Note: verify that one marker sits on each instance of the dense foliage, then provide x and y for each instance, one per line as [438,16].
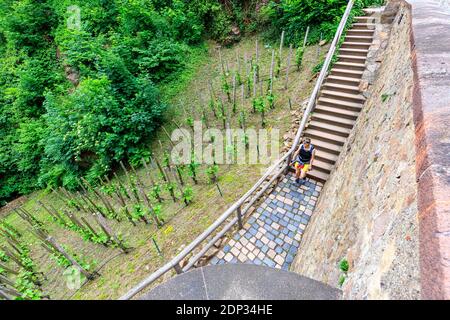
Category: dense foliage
[78,95]
[294,16]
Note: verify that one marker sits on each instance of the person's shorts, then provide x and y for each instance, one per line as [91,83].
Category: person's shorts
[303,166]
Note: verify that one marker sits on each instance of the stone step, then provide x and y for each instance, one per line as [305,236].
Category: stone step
[365,19]
[341,104]
[356,45]
[324,136]
[359,39]
[348,81]
[327,147]
[325,156]
[360,32]
[329,128]
[337,121]
[339,95]
[357,74]
[354,52]
[322,166]
[340,87]
[352,59]
[318,175]
[350,65]
[337,112]
[364,26]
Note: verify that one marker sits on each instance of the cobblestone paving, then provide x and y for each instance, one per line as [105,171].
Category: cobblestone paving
[271,236]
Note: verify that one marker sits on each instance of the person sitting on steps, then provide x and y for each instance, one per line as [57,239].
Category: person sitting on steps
[303,159]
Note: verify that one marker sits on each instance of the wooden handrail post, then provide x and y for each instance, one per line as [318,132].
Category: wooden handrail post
[288,162]
[239,216]
[178,268]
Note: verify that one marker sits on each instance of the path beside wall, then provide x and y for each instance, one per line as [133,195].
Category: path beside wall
[367,212]
[431,65]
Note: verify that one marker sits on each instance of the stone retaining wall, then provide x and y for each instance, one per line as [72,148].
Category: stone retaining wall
[367,213]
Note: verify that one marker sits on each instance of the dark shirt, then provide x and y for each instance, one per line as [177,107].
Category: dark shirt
[305,155]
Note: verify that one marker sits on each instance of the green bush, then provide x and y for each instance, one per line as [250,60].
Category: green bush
[294,16]
[93,128]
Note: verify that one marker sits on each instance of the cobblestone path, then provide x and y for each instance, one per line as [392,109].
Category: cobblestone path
[271,235]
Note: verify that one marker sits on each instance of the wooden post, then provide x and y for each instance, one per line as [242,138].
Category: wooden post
[261,93]
[130,181]
[172,194]
[254,84]
[89,200]
[205,117]
[116,190]
[163,175]
[61,250]
[150,208]
[7,281]
[178,269]
[122,187]
[14,246]
[306,38]
[89,207]
[149,176]
[58,195]
[221,61]
[13,257]
[272,66]
[25,217]
[107,230]
[105,201]
[146,200]
[239,216]
[224,113]
[30,218]
[74,220]
[238,65]
[212,98]
[247,73]
[8,293]
[53,212]
[71,198]
[288,67]
[281,44]
[180,174]
[257,61]
[234,94]
[8,269]
[124,205]
[90,228]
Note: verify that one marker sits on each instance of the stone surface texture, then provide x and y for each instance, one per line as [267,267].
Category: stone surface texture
[241,282]
[431,65]
[367,212]
[271,235]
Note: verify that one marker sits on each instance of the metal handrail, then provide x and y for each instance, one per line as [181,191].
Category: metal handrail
[237,206]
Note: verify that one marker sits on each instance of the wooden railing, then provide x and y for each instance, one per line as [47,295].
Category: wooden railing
[242,206]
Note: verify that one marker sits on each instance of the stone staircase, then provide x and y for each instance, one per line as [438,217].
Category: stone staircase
[340,100]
